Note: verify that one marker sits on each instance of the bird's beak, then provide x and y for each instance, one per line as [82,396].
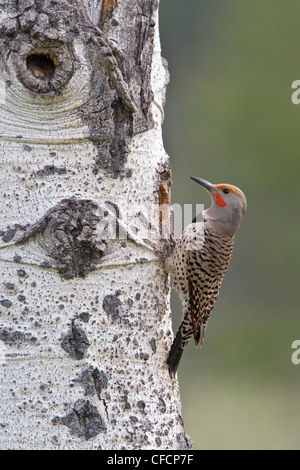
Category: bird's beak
[214,193]
[204,183]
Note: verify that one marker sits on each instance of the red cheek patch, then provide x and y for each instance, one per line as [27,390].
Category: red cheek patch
[220,201]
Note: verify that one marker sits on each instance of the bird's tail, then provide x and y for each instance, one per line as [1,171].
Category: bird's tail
[177,349]
[175,354]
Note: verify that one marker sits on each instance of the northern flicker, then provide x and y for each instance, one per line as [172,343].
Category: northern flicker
[199,261]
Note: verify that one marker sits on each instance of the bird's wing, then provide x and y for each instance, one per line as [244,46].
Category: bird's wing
[203,290]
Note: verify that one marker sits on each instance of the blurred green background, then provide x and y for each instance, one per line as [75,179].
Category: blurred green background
[229,118]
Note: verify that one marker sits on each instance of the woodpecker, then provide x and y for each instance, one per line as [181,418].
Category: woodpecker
[199,261]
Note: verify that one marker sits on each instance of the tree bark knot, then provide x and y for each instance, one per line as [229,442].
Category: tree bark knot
[84,420]
[75,342]
[93,381]
[41,38]
[70,236]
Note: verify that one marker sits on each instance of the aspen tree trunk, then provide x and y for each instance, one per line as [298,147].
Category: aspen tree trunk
[85,325]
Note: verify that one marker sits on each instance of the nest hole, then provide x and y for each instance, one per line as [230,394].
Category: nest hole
[41,66]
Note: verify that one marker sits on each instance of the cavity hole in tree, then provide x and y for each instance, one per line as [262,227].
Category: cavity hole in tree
[41,65]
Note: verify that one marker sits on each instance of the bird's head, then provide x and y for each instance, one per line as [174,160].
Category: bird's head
[228,207]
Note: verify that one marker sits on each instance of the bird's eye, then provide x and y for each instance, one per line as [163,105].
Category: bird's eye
[226,191]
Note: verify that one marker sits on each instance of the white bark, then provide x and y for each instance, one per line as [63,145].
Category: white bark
[82,359]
